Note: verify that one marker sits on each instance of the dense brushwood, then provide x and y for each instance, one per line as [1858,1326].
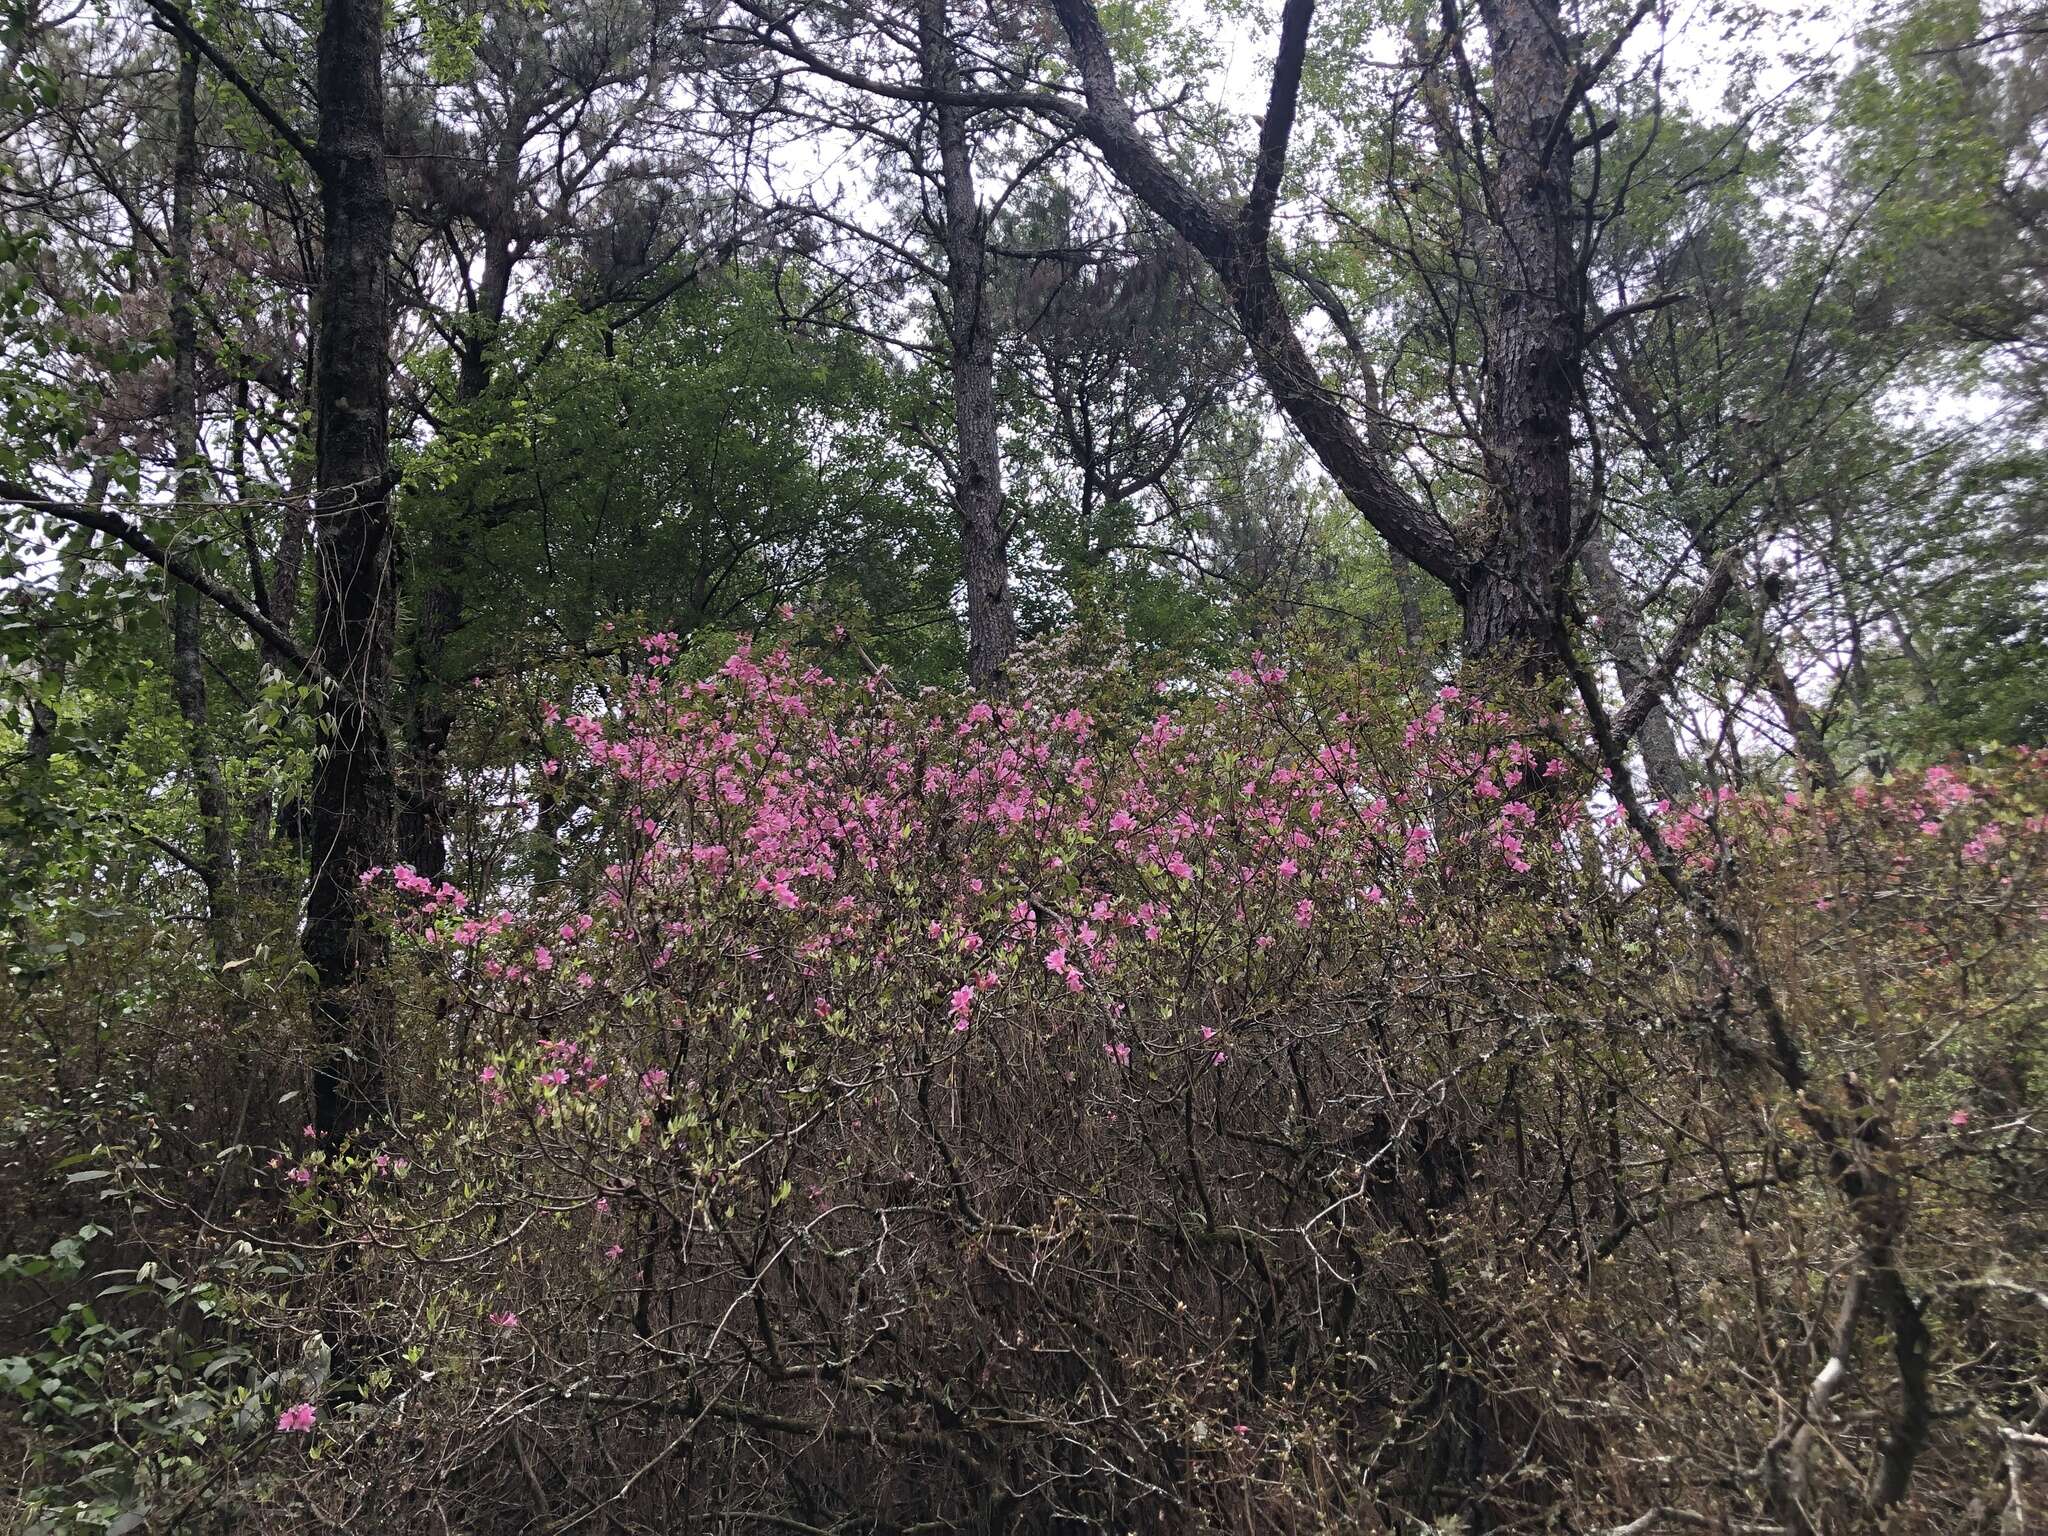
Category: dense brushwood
[1290,1101]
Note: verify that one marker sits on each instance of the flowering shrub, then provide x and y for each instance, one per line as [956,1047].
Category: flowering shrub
[1296,1103]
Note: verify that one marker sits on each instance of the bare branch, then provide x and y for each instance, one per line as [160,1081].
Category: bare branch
[1278,127]
[177,22]
[118,528]
[1585,77]
[1629,312]
[1245,266]
[1643,1524]
[1650,692]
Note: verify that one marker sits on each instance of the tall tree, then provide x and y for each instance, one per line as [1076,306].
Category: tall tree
[351,809]
[528,137]
[188,666]
[355,559]
[969,321]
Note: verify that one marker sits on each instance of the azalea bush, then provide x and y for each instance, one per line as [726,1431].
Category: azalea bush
[1308,1098]
[1295,1100]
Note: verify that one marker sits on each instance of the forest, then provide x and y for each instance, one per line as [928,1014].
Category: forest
[1024,766]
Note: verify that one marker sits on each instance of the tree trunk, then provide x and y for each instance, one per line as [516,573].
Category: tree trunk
[430,703]
[188,674]
[1533,354]
[1657,742]
[259,880]
[352,795]
[1408,588]
[970,333]
[1809,743]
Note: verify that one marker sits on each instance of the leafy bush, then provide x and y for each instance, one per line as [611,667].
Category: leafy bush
[1304,1106]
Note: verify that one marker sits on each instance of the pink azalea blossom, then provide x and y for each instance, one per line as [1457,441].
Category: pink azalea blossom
[297,1419]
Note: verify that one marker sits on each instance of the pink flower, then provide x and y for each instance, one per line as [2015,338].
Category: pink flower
[962,1005]
[1960,1117]
[297,1419]
[1304,912]
[507,1319]
[488,1075]
[301,1175]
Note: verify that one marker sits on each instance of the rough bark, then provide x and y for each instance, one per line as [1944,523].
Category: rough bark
[971,353]
[351,812]
[188,674]
[1533,352]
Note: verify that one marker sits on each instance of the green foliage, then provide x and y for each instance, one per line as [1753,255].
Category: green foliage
[690,472]
[137,1394]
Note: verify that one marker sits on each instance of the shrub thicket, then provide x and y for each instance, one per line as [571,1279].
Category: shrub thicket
[1315,1101]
